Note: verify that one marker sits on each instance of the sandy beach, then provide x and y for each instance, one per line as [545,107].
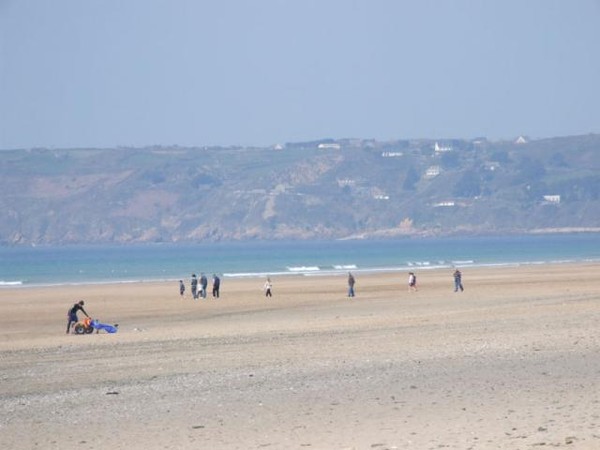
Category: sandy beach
[513,362]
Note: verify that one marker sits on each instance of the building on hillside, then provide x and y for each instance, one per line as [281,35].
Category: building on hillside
[432,172]
[521,140]
[329,146]
[345,182]
[552,199]
[491,165]
[441,148]
[379,194]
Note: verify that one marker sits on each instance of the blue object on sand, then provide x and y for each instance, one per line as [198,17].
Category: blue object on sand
[103,326]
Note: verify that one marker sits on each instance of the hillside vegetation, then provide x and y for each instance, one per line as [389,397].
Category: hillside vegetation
[347,188]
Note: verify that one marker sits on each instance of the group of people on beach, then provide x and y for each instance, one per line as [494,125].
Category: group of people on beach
[202,284]
[457,275]
[267,288]
[412,282]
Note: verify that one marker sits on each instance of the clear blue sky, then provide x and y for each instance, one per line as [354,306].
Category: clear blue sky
[235,72]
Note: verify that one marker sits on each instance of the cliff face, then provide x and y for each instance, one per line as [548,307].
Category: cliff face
[355,188]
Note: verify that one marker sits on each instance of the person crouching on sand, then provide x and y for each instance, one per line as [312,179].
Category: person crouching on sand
[72,314]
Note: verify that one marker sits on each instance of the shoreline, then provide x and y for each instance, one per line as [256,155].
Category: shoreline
[51,266]
[319,272]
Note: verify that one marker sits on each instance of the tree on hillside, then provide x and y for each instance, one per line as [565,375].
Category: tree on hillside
[450,160]
[558,160]
[500,156]
[468,185]
[530,169]
[411,179]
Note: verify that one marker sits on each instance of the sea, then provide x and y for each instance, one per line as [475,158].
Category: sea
[23,266]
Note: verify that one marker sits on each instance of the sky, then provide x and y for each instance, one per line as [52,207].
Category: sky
[107,73]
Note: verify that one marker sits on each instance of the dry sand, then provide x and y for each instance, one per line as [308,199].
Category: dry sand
[511,363]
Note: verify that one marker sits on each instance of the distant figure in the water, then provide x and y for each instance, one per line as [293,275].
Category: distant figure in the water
[412,282]
[351,282]
[267,288]
[458,281]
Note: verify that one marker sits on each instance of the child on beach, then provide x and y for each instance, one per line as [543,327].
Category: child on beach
[412,282]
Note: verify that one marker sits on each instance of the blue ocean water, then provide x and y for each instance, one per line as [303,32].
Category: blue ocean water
[45,265]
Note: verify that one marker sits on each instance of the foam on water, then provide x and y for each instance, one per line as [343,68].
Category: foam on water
[27,266]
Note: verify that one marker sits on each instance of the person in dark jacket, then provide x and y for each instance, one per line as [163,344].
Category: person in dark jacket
[72,314]
[194,286]
[203,285]
[216,285]
[458,281]
[351,282]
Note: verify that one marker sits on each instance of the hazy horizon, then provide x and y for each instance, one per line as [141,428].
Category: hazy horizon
[109,74]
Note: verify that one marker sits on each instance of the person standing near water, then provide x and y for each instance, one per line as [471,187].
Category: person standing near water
[351,282]
[181,288]
[267,287]
[194,286]
[412,282]
[203,284]
[458,281]
[216,285]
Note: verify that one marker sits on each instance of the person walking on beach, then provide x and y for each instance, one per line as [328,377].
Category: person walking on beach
[216,285]
[458,281]
[412,282]
[203,284]
[181,288]
[351,282]
[267,287]
[72,314]
[194,286]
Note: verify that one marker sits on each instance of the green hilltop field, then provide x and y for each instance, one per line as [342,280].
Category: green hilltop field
[347,188]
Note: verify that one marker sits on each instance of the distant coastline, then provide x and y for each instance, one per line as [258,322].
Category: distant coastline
[395,233]
[323,189]
[565,230]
